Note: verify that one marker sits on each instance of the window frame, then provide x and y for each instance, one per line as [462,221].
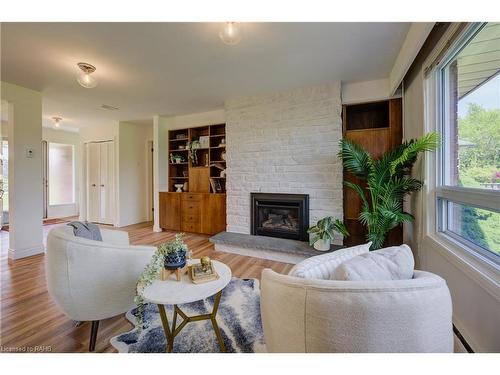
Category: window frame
[436,192]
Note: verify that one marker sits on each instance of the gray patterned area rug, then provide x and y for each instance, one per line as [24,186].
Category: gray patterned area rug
[238,318]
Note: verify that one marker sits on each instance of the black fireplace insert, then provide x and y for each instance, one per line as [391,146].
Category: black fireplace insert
[280,215]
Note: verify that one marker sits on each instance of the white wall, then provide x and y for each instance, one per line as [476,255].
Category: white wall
[132,166]
[25,174]
[161,126]
[476,302]
[69,138]
[285,142]
[365,91]
[415,38]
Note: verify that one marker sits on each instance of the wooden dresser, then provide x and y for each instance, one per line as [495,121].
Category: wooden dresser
[193,212]
[201,175]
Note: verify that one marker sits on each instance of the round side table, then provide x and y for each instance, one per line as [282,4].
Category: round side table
[171,292]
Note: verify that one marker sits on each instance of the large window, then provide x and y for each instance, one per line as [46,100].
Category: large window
[61,174]
[469,179]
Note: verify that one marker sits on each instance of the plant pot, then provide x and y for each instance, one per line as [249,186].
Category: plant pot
[175,260]
[322,245]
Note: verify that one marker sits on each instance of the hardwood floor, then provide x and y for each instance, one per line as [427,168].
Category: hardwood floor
[30,320]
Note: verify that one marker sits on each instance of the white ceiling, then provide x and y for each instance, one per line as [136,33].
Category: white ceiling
[178,68]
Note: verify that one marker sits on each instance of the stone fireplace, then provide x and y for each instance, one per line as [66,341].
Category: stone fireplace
[280,215]
[285,142]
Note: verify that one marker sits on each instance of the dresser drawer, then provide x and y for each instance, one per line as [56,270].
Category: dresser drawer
[190,227]
[191,207]
[187,218]
[191,197]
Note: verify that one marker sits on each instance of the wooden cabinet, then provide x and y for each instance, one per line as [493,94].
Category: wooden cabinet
[193,212]
[377,127]
[170,211]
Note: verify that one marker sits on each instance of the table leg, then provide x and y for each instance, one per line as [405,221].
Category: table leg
[166,328]
[213,319]
[170,333]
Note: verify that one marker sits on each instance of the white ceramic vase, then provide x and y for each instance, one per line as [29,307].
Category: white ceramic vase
[322,245]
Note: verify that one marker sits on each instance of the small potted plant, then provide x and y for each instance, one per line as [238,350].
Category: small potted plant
[176,158]
[193,147]
[175,253]
[322,234]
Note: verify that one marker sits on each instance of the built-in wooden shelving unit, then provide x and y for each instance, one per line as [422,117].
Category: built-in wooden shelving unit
[203,176]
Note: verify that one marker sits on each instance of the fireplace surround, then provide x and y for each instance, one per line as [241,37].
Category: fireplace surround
[280,215]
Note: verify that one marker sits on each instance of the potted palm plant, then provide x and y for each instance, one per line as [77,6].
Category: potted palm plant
[322,234]
[388,180]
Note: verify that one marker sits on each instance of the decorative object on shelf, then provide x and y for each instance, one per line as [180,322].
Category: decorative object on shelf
[222,142]
[84,77]
[230,33]
[218,166]
[178,187]
[206,160]
[193,147]
[178,252]
[322,234]
[185,173]
[180,136]
[177,159]
[204,141]
[388,181]
[223,155]
[185,187]
[223,173]
[182,147]
[216,185]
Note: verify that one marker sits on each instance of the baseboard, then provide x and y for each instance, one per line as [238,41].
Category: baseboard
[23,253]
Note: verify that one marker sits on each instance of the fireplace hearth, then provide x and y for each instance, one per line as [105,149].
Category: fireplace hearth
[280,215]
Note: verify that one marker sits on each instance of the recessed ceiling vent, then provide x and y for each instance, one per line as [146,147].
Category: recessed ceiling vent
[109,107]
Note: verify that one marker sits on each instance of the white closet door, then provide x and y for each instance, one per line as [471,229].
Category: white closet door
[106,183]
[93,181]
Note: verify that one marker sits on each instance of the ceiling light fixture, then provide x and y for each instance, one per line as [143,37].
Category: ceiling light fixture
[57,122]
[84,77]
[230,33]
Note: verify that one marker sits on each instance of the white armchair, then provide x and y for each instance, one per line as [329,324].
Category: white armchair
[312,314]
[93,280]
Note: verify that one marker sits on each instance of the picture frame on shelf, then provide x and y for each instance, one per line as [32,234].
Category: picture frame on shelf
[216,185]
[204,141]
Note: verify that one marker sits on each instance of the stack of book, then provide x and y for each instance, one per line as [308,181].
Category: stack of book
[201,275]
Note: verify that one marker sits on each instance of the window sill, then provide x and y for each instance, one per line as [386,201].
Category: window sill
[482,270]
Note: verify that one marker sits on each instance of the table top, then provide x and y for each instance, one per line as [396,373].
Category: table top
[172,292]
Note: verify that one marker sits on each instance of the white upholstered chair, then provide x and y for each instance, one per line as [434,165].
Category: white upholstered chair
[93,280]
[311,313]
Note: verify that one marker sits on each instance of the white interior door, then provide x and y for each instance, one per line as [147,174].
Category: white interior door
[100,182]
[106,183]
[93,181]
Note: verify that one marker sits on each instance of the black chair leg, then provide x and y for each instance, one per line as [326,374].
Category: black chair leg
[93,335]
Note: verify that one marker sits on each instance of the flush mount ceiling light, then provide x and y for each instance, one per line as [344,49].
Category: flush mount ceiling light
[57,122]
[84,77]
[230,33]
